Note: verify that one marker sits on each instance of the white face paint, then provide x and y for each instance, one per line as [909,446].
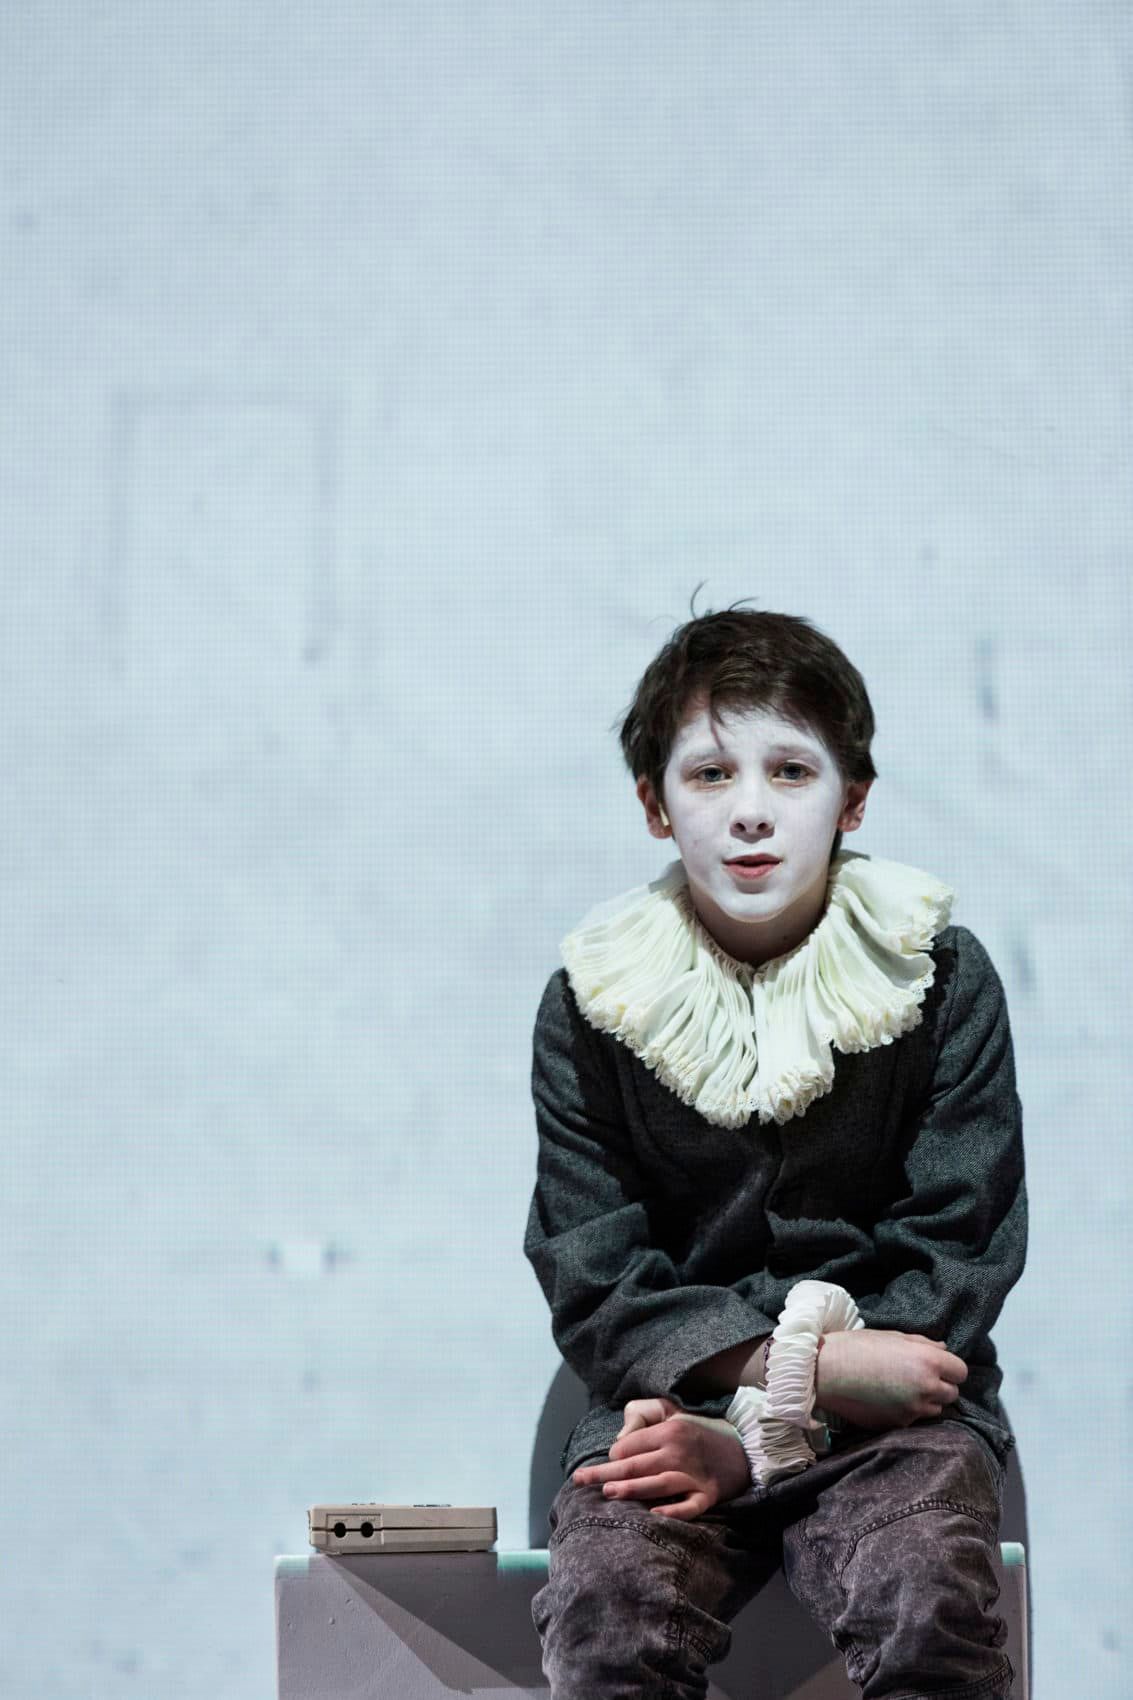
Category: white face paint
[753,784]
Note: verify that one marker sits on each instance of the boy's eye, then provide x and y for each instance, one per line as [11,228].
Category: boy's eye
[799,769]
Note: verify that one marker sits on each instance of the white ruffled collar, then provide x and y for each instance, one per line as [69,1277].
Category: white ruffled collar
[731,1039]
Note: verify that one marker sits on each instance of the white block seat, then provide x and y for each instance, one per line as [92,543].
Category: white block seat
[423,1626]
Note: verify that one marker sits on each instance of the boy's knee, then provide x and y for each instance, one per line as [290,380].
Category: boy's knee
[938,1556]
[918,1596]
[614,1548]
[616,1600]
[899,1562]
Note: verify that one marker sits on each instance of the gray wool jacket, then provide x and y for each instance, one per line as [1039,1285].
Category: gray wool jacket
[660,1238]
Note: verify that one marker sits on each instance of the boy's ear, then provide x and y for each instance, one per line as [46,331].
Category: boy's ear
[854,807]
[655,814]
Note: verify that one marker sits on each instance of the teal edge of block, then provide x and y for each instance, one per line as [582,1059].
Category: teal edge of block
[1012,1554]
[288,1567]
[291,1566]
[534,1559]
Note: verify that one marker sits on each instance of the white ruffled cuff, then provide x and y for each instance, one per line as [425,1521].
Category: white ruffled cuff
[774,1448]
[812,1308]
[777,1427]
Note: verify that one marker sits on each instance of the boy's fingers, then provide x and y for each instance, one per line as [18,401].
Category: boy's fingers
[639,1413]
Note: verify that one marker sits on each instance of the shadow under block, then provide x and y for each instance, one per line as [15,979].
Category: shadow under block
[425,1626]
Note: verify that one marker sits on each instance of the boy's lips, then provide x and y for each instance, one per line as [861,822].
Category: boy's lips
[752,862]
[751,871]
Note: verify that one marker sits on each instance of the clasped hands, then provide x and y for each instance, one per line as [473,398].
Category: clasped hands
[663,1451]
[874,1378]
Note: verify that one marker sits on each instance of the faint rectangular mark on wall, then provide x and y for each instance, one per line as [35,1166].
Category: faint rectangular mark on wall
[220,537]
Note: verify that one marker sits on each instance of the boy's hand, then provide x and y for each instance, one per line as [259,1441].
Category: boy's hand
[663,1451]
[880,1378]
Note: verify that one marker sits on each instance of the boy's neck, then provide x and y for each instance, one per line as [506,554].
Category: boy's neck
[755,942]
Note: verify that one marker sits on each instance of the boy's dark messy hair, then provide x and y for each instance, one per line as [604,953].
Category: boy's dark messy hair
[748,659]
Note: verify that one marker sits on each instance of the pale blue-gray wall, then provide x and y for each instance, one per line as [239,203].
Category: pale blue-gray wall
[378,380]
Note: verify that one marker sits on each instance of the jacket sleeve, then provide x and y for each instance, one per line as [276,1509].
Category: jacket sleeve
[954,1240]
[619,1313]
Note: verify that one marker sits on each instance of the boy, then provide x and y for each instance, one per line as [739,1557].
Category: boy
[780,1202]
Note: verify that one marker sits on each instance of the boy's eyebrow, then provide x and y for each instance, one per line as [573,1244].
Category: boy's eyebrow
[780,749]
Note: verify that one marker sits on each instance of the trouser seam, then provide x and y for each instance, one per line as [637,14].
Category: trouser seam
[846,1644]
[935,1502]
[672,1628]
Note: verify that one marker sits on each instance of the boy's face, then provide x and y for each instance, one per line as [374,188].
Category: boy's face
[754,784]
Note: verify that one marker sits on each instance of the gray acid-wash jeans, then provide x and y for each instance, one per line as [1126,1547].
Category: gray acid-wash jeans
[888,1541]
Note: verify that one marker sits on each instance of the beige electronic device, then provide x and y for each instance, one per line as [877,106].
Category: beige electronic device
[401,1528]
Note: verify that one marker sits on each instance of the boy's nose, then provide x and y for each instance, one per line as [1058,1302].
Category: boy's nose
[753,812]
